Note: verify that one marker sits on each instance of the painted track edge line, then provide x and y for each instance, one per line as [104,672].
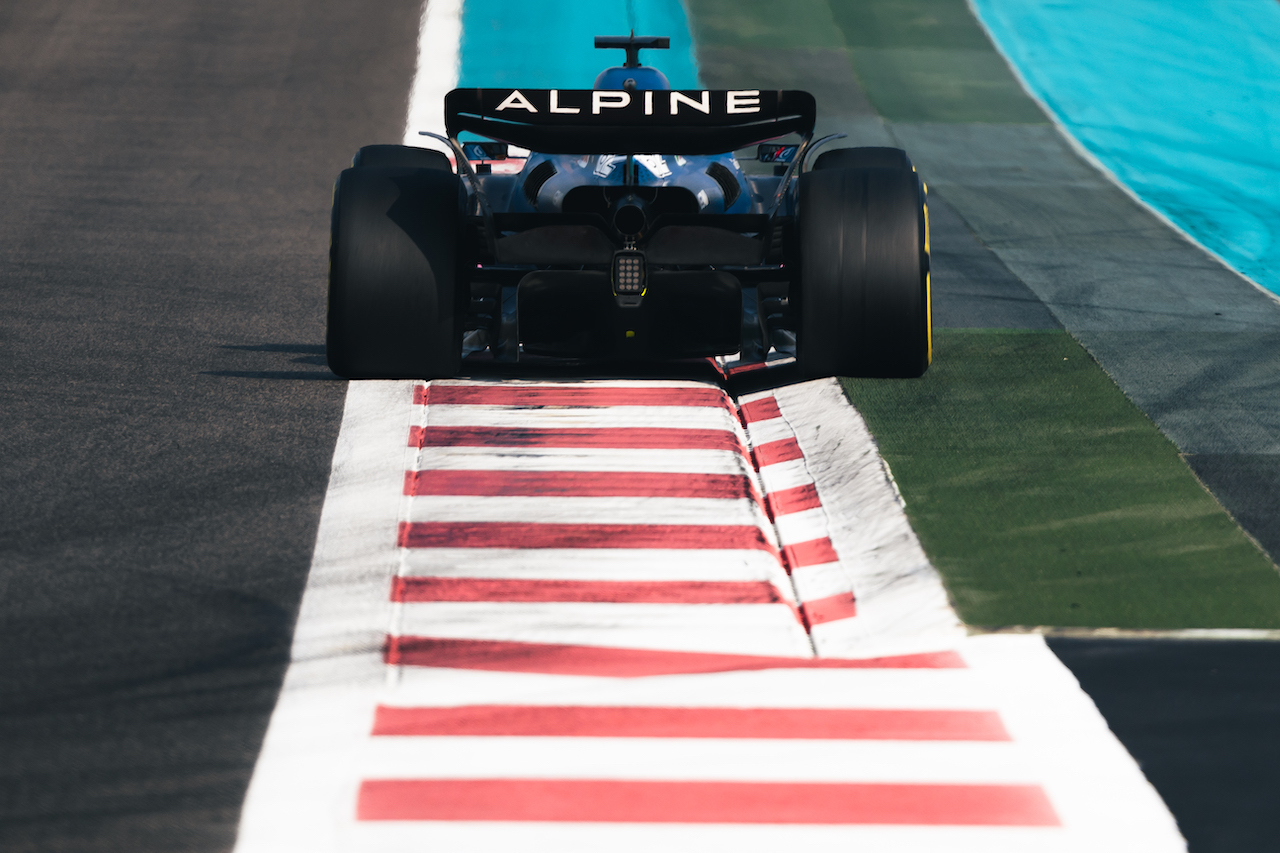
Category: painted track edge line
[437,71]
[336,667]
[1252,634]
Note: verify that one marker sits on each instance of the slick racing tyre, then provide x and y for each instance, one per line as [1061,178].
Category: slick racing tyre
[863,158]
[402,156]
[394,309]
[864,286]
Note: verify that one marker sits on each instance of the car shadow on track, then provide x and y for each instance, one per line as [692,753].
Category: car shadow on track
[697,370]
[306,354]
[532,370]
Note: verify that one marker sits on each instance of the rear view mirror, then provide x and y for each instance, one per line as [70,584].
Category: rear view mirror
[485,150]
[777,153]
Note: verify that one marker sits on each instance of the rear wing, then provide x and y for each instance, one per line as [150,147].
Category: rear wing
[615,121]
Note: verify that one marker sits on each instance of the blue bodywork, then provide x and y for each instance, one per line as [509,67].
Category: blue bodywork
[651,170]
[550,236]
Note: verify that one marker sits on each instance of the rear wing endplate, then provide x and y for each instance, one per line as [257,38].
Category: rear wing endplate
[585,121]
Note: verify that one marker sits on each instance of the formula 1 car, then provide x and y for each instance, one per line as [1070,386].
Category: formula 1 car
[630,232]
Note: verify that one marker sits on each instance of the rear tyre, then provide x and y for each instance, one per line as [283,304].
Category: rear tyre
[402,156]
[864,286]
[394,305]
[863,158]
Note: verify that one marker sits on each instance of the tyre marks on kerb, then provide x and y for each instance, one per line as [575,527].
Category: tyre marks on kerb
[824,590]
[627,592]
[586,515]
[632,632]
[562,626]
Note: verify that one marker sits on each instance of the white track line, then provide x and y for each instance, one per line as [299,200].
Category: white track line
[437,73]
[345,608]
[1228,634]
[325,710]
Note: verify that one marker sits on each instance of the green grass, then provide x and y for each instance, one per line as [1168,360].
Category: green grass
[1045,497]
[936,85]
[942,24]
[757,23]
[918,60]
[929,60]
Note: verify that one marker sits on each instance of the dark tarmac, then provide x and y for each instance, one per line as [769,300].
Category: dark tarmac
[167,415]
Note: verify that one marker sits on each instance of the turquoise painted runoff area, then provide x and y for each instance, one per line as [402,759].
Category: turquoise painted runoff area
[550,45]
[1180,99]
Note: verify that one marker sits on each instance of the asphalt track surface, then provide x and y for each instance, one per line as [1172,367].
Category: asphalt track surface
[169,422]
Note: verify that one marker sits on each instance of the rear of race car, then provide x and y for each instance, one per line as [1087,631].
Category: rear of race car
[632,233]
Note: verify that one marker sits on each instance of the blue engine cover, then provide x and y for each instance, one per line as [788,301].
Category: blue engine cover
[731,193]
[646,77]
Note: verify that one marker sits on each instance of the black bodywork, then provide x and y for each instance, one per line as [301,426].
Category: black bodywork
[548,274]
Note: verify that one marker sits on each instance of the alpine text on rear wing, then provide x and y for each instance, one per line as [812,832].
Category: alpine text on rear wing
[617,121]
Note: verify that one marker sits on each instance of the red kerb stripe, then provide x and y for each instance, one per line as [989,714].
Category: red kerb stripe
[620,438]
[634,592]
[608,800]
[746,368]
[764,409]
[585,395]
[596,484]
[511,534]
[811,553]
[557,659]
[771,723]
[796,499]
[774,452]
[830,609]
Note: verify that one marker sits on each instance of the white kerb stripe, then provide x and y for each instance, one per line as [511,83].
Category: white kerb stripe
[584,417]
[585,459]
[481,837]
[774,429]
[923,689]
[597,564]
[558,510]
[785,475]
[689,759]
[750,629]
[804,526]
